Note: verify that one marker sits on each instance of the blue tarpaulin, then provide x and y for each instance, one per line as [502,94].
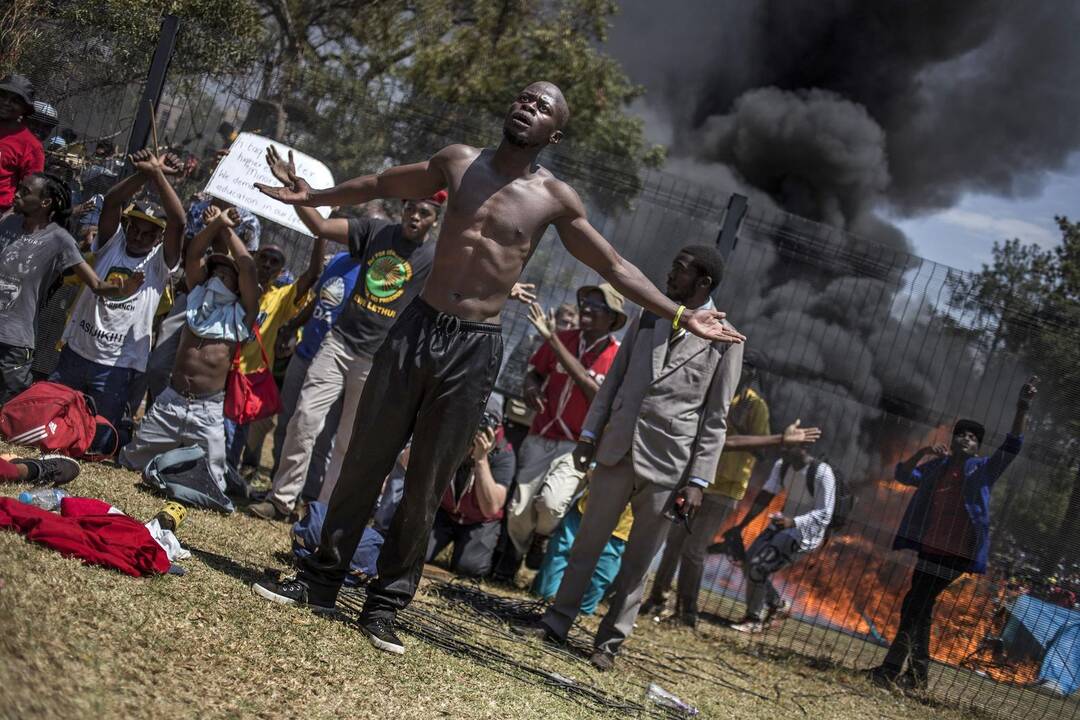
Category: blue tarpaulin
[1057,632]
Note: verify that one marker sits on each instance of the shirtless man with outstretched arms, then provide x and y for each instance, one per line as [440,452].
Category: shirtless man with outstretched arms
[432,376]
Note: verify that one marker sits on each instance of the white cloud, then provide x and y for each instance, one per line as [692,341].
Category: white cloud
[1000,228]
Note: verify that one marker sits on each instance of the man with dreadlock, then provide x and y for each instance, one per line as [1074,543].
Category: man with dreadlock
[34,250]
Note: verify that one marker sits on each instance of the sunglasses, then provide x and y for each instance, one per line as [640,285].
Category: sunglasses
[592,305]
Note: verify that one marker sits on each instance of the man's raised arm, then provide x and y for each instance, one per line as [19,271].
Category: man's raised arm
[284,171]
[403,182]
[589,246]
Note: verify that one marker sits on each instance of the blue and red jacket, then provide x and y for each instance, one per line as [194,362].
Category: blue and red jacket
[980,474]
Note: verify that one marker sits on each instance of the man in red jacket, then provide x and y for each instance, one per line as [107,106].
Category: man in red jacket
[21,154]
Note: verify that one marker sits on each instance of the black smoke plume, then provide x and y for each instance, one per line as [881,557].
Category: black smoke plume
[968,95]
[834,110]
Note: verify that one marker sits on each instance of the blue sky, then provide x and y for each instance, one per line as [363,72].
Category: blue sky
[963,236]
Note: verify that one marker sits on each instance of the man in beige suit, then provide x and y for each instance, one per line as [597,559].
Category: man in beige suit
[656,429]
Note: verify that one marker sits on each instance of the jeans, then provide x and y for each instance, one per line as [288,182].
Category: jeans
[174,421]
[15,365]
[772,550]
[474,544]
[547,580]
[106,384]
[235,442]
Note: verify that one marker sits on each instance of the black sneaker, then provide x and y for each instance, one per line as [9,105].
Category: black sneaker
[290,592]
[602,660]
[50,469]
[653,606]
[536,629]
[380,632]
[882,676]
[535,557]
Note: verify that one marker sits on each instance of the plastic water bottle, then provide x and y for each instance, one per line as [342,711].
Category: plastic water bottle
[662,697]
[44,498]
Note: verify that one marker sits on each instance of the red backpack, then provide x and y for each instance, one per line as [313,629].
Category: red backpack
[53,418]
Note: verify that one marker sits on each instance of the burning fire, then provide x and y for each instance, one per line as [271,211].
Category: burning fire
[856,583]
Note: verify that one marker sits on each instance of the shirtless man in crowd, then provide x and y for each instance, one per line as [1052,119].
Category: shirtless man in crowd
[432,376]
[221,310]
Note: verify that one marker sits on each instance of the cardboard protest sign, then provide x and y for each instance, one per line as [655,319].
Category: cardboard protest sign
[235,177]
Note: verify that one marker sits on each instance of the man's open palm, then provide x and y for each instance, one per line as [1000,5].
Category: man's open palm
[284,171]
[295,189]
[709,324]
[796,435]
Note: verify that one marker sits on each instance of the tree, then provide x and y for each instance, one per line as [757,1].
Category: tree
[356,82]
[81,46]
[356,78]
[1027,302]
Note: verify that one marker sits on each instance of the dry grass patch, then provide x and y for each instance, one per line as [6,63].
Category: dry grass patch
[77,641]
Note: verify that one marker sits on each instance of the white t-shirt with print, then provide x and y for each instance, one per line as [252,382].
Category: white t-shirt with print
[117,332]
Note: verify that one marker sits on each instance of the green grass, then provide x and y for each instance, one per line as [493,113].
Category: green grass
[79,641]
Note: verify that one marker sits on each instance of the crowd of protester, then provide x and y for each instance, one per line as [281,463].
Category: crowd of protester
[113,285]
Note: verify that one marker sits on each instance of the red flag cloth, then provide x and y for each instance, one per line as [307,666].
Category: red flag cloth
[87,530]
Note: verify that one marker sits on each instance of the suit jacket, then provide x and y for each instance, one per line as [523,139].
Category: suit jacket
[671,415]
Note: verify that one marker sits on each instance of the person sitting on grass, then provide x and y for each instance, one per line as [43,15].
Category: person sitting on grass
[221,309]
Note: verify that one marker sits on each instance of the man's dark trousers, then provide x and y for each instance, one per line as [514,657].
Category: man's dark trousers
[430,379]
[932,575]
[474,544]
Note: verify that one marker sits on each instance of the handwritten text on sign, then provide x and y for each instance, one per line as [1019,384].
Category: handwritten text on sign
[235,177]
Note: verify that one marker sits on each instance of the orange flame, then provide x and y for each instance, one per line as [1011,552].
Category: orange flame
[856,583]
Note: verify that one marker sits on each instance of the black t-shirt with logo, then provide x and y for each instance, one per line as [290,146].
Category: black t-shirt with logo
[392,272]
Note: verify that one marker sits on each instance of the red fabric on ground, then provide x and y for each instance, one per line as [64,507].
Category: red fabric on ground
[9,472]
[89,532]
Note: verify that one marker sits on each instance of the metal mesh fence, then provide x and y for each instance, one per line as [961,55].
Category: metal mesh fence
[860,340]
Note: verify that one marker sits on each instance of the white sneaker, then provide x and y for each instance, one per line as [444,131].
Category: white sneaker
[750,627]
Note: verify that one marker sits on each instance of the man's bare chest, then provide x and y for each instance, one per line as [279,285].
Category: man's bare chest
[506,212]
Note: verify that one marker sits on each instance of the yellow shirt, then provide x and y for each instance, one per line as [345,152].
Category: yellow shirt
[277,306]
[168,297]
[622,530]
[747,415]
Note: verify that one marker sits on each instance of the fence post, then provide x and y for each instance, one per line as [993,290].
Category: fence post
[733,217]
[155,83]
